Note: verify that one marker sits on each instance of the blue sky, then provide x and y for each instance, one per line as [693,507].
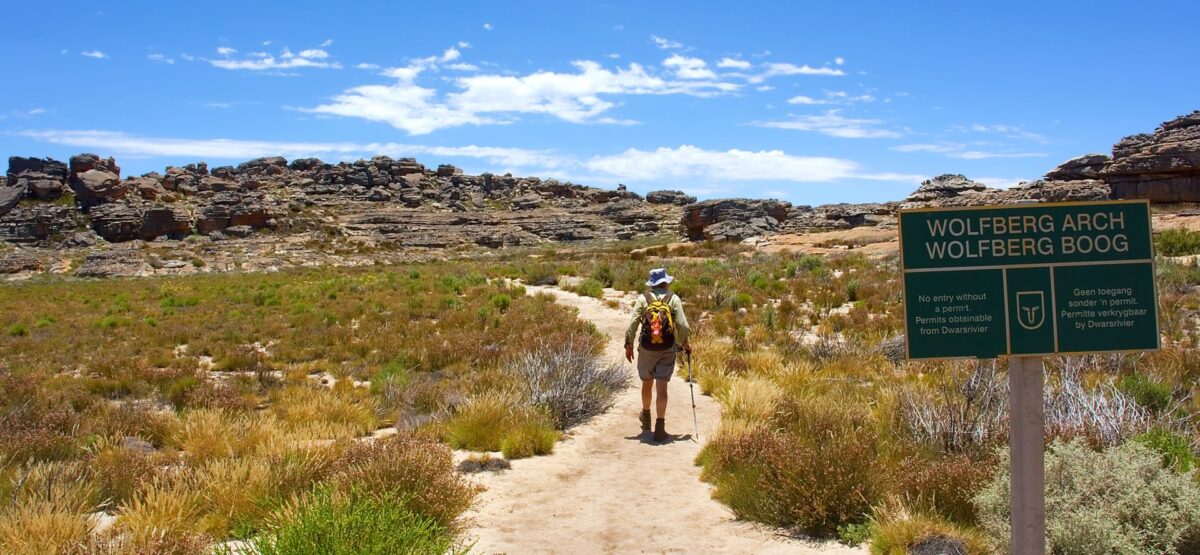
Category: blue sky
[812,103]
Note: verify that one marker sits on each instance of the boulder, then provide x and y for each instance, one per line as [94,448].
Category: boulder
[81,163]
[669,197]
[19,262]
[47,166]
[10,196]
[95,186]
[447,170]
[114,263]
[271,165]
[40,178]
[528,201]
[1088,166]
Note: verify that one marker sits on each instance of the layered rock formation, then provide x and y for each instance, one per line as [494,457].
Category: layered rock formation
[394,200]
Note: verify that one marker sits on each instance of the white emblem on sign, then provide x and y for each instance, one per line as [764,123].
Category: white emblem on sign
[1031,309]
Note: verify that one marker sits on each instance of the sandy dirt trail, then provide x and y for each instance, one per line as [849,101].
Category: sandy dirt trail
[609,489]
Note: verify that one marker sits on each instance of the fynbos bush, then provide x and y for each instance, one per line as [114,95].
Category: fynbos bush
[1120,500]
[569,380]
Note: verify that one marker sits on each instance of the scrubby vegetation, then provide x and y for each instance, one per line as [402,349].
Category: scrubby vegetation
[828,432]
[201,409]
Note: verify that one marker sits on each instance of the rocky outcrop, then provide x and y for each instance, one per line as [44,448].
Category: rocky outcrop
[118,222]
[1086,167]
[19,262]
[943,187]
[32,224]
[670,197]
[96,180]
[40,178]
[1163,166]
[735,219]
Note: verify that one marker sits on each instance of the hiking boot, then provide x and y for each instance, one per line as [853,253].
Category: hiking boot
[660,430]
[646,420]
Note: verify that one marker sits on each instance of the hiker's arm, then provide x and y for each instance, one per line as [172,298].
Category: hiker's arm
[682,329]
[639,306]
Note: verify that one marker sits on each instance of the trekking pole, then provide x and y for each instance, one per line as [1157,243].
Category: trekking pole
[692,388]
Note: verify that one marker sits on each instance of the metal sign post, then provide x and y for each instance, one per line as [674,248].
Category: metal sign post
[1028,280]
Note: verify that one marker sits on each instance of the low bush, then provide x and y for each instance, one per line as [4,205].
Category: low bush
[1175,449]
[1176,242]
[814,466]
[898,530]
[407,466]
[571,381]
[590,288]
[529,438]
[353,524]
[1147,392]
[1119,500]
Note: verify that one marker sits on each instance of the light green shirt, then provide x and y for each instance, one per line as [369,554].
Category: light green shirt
[682,330]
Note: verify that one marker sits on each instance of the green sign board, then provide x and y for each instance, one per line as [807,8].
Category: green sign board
[1028,279]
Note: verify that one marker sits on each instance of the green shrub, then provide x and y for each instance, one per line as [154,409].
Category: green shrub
[501,302]
[529,439]
[1148,393]
[353,524]
[1177,242]
[854,534]
[1175,450]
[18,330]
[1120,500]
[590,288]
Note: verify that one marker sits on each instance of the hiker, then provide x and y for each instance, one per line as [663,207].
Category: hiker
[664,331]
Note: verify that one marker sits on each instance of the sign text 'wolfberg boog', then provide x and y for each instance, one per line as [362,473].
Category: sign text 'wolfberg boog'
[1032,279]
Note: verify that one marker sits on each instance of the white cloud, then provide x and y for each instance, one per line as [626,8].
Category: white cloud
[961,151]
[839,60]
[94,54]
[801,99]
[734,165]
[327,43]
[367,66]
[464,44]
[462,67]
[733,63]
[777,69]
[36,111]
[981,155]
[1000,182]
[937,148]
[261,61]
[764,88]
[1010,131]
[689,68]
[450,54]
[117,143]
[313,54]
[690,162]
[488,26]
[495,98]
[613,56]
[832,123]
[160,59]
[664,43]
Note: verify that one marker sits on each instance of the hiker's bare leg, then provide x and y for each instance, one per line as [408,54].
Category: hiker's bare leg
[647,391]
[662,397]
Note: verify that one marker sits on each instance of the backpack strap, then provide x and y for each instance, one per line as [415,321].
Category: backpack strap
[649,297]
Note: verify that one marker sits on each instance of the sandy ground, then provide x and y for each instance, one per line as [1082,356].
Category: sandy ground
[609,489]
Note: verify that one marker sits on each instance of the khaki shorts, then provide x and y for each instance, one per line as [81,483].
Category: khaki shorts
[658,365]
